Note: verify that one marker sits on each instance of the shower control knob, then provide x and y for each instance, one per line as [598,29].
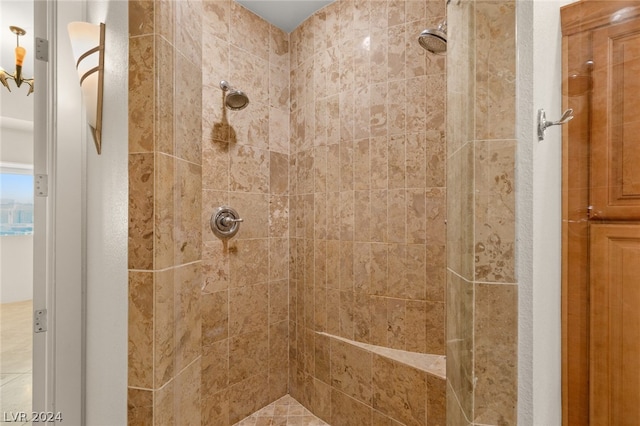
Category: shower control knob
[229,221]
[225,222]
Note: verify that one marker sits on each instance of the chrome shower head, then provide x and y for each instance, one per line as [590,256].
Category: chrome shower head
[234,99]
[434,40]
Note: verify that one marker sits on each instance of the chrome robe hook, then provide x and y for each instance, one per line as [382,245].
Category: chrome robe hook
[543,123]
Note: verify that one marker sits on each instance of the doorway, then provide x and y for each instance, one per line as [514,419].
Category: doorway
[16,213]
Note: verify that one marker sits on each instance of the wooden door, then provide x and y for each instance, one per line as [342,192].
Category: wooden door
[615,325]
[601,214]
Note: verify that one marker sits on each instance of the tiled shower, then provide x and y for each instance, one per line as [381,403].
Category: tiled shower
[338,168]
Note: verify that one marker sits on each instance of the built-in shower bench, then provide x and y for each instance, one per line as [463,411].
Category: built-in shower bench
[407,387]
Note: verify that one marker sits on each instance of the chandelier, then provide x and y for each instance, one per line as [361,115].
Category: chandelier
[17,75]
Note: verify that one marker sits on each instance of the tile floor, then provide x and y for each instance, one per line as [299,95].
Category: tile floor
[15,358]
[286,411]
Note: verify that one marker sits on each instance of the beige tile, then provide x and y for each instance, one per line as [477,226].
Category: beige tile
[165,108]
[248,356]
[279,216]
[278,301]
[188,30]
[379,419]
[141,17]
[215,266]
[495,78]
[435,158]
[397,207]
[435,327]
[378,110]
[215,164]
[436,401]
[380,215]
[16,396]
[141,94]
[348,411]
[188,322]
[320,308]
[495,361]
[247,396]
[396,323]
[215,409]
[248,262]
[251,126]
[188,230]
[164,328]
[436,272]
[215,317]
[216,17]
[416,332]
[416,147]
[460,342]
[187,394]
[417,220]
[399,391]
[249,169]
[279,131]
[495,211]
[165,18]
[278,346]
[321,403]
[455,415]
[351,370]
[139,406]
[141,207]
[279,47]
[215,367]
[279,173]
[248,309]
[419,109]
[188,109]
[460,220]
[164,211]
[164,407]
[396,161]
[141,310]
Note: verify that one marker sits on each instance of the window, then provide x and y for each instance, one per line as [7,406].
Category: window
[16,200]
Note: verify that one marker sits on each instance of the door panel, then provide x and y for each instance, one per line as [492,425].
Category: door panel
[615,324]
[601,214]
[615,156]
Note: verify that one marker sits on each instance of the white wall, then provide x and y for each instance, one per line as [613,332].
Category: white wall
[107,231]
[16,273]
[16,138]
[539,213]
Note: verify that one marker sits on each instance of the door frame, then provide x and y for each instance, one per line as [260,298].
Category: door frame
[59,236]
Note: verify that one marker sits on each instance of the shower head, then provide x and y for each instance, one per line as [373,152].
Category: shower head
[234,99]
[434,40]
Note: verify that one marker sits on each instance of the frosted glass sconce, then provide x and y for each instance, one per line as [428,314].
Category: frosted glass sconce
[87,44]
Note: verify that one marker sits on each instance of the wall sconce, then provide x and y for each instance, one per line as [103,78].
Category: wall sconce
[87,44]
[20,54]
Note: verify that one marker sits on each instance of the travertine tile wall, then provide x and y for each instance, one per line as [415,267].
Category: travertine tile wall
[208,322]
[165,241]
[482,287]
[246,166]
[367,183]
